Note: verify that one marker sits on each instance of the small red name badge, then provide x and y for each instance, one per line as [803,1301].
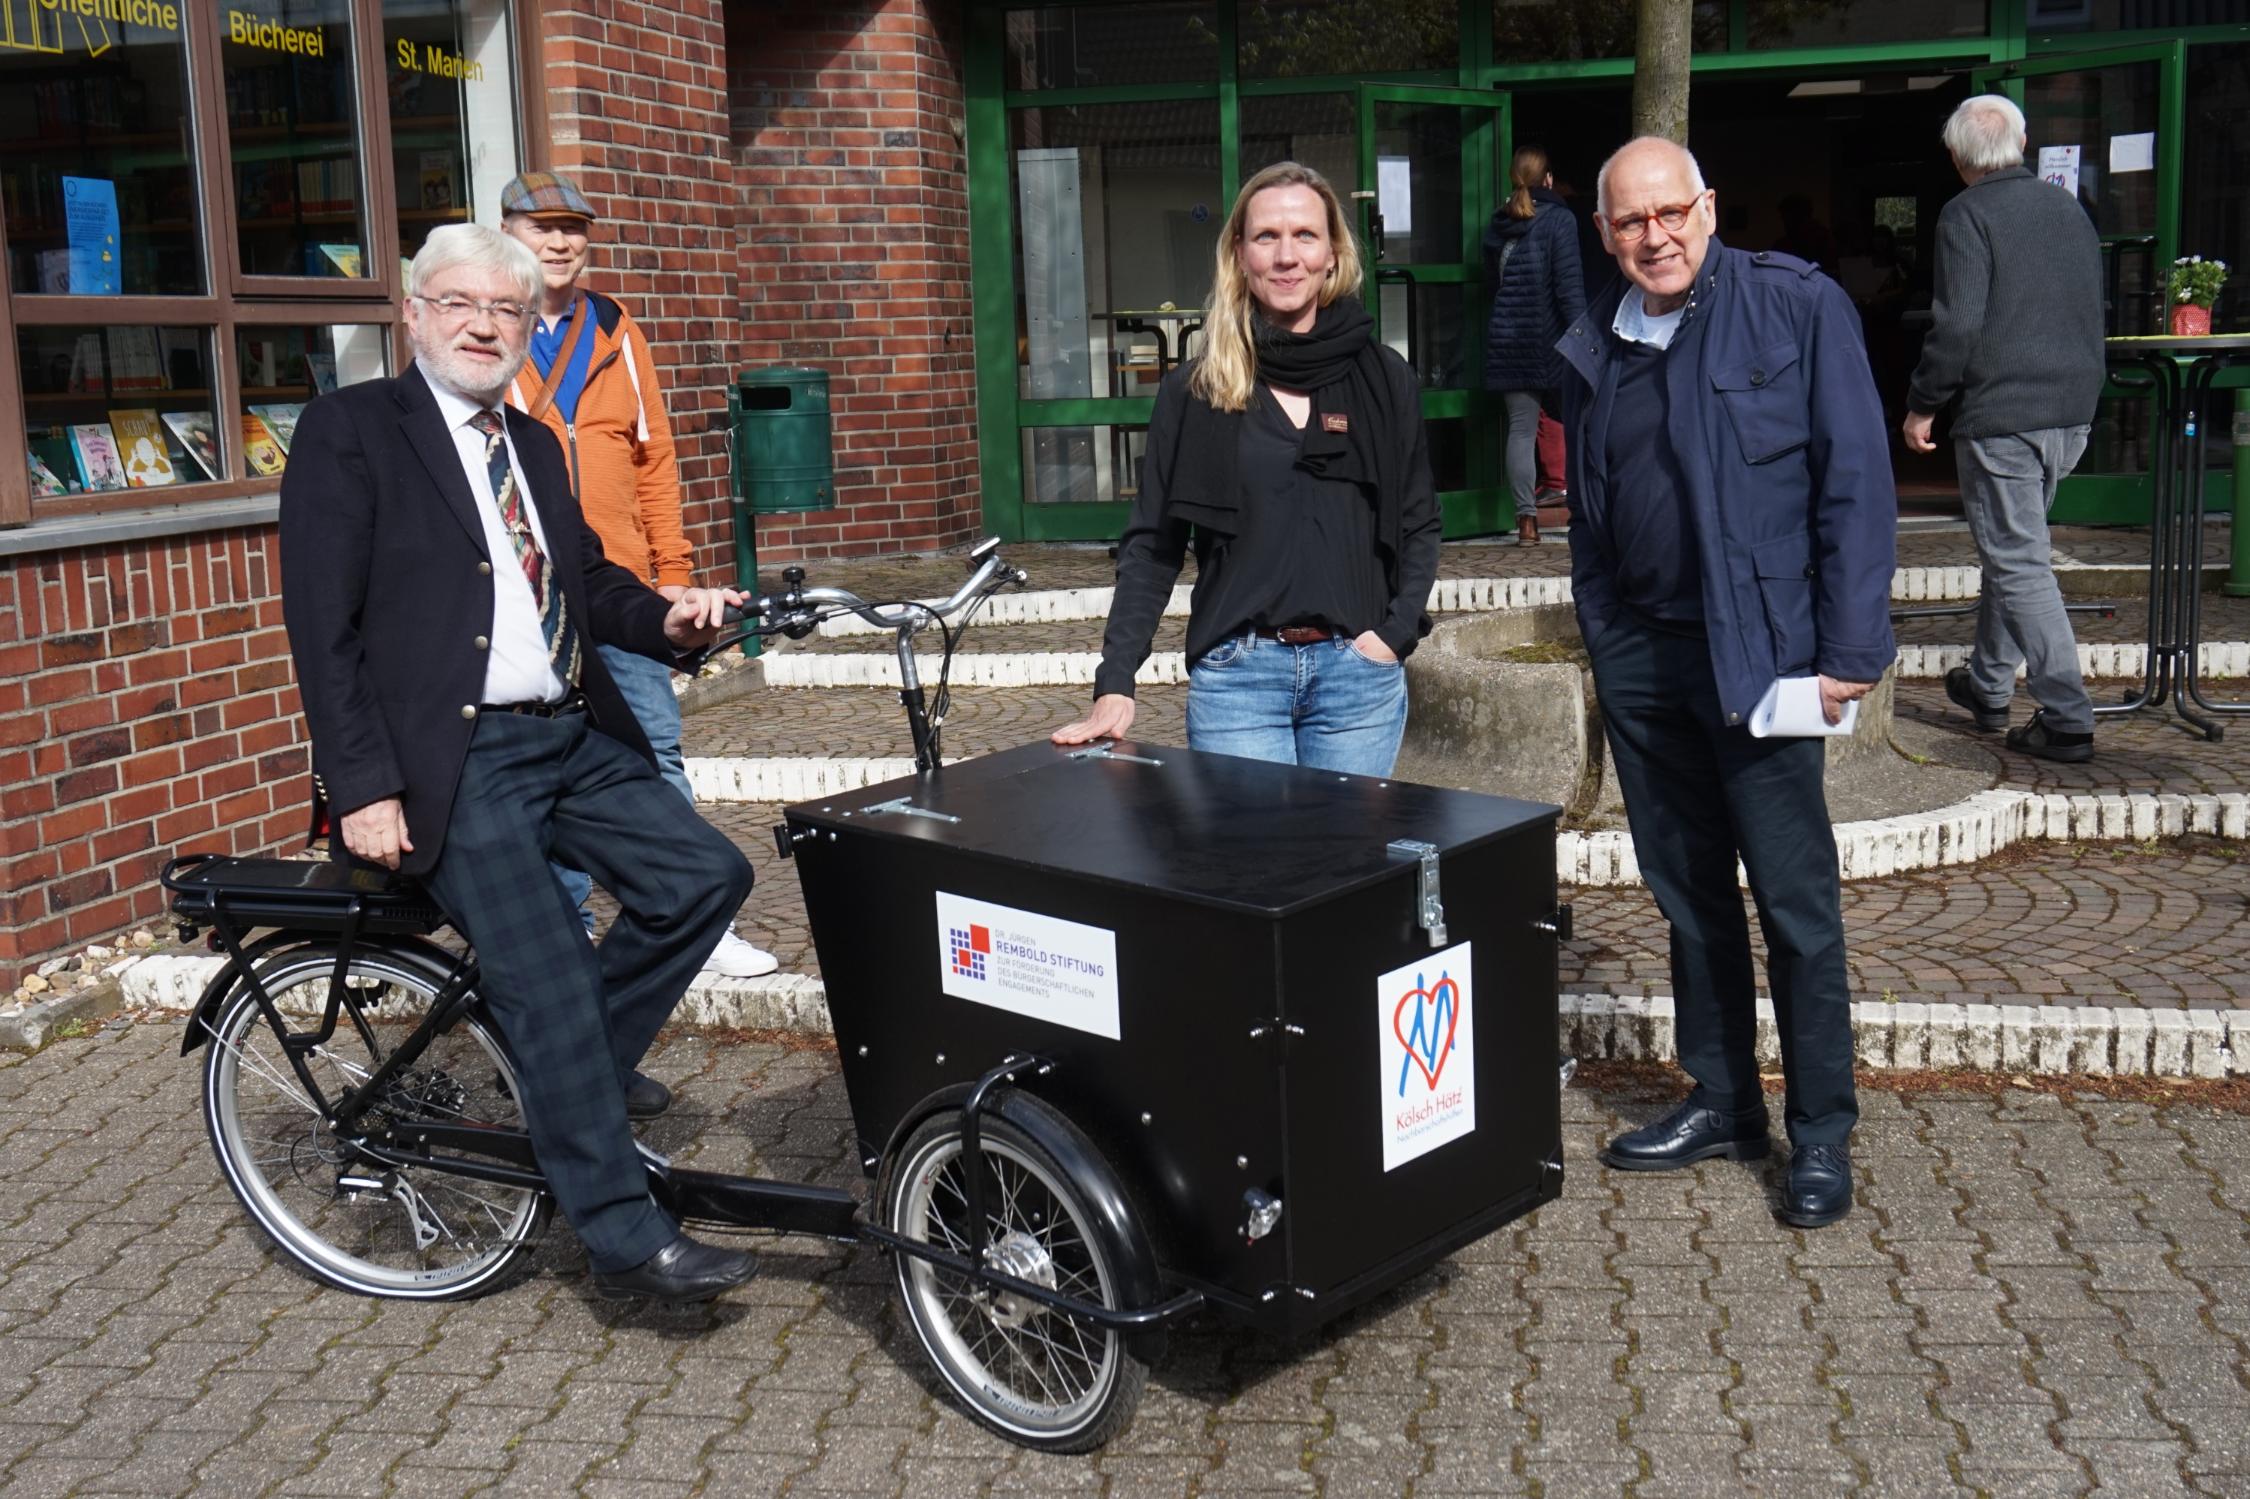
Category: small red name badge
[1335,421]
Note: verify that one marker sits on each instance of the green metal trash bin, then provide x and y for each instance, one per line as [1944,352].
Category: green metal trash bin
[783,459]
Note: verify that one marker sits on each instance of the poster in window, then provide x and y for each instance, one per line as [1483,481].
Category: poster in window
[94,449]
[90,219]
[140,443]
[259,449]
[198,437]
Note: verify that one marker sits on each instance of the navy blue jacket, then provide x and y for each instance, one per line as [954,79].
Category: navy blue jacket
[1781,443]
[1542,292]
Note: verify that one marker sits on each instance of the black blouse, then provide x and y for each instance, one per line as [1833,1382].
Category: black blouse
[1306,554]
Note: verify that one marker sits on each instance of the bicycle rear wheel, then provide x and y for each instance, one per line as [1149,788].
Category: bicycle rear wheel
[420,1235]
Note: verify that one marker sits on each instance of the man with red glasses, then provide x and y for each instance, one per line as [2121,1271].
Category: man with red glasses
[1734,522]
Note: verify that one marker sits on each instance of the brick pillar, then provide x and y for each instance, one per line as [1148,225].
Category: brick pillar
[853,255]
[637,117]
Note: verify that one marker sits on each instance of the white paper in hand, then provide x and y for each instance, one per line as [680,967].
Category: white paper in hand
[1791,710]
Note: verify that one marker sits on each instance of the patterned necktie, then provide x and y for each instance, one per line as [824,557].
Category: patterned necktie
[554,609]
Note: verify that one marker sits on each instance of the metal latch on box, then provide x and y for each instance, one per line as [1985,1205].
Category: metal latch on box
[1429,908]
[905,808]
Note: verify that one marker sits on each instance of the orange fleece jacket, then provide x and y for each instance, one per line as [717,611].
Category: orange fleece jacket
[620,448]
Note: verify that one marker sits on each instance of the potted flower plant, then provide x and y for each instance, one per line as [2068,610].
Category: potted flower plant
[2195,284]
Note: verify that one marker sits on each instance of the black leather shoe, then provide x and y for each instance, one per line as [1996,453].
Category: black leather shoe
[1819,1188]
[1689,1134]
[682,1270]
[2037,738]
[646,1098]
[1963,691]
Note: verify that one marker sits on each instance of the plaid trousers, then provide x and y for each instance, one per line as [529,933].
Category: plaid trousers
[577,1019]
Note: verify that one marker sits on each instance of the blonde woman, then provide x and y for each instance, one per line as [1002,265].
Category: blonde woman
[1294,449]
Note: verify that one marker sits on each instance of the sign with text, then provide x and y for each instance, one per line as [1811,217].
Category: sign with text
[1028,964]
[1426,1046]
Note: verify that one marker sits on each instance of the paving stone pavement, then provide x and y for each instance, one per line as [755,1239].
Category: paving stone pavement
[2037,1295]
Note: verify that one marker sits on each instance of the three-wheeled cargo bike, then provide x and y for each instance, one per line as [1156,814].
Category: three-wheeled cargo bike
[1128,1032]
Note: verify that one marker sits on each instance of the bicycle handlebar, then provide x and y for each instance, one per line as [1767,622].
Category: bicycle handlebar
[798,610]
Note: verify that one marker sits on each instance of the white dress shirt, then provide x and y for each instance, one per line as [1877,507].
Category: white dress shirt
[516,669]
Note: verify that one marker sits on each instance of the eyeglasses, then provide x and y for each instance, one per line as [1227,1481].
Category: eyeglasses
[1633,226]
[460,309]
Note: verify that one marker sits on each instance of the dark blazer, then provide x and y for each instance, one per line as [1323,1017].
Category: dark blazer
[387,593]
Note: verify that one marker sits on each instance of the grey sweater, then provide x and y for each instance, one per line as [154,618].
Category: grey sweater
[2017,330]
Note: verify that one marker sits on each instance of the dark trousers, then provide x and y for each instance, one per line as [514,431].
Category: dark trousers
[1699,795]
[577,1019]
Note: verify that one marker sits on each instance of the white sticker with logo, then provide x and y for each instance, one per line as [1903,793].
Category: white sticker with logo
[1425,1024]
[1028,964]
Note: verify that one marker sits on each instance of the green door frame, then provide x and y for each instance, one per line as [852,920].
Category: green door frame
[1475,510]
[2116,499]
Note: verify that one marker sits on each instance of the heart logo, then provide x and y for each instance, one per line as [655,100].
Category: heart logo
[1429,1038]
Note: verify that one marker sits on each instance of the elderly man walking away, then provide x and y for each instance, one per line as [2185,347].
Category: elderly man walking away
[2016,339]
[1734,522]
[592,380]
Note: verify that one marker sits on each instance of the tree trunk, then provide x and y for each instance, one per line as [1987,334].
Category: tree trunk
[1661,51]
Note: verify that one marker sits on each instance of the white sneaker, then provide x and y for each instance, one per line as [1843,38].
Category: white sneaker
[736,959]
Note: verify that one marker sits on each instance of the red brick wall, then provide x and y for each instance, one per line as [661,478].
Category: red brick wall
[637,117]
[778,184]
[147,707]
[854,256]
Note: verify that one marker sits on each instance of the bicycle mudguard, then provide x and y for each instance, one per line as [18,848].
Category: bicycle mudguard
[1140,1280]
[223,983]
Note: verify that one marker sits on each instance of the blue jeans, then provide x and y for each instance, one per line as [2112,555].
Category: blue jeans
[646,687]
[1323,705]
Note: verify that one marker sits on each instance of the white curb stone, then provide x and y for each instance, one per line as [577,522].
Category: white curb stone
[2056,1039]
[2168,1047]
[2130,1055]
[784,668]
[1963,833]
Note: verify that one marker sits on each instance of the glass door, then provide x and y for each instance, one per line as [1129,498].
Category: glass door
[2107,126]
[1432,168]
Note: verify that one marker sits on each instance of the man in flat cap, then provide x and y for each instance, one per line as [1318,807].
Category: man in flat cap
[592,380]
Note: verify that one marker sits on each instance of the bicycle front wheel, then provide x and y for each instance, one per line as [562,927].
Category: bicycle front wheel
[418,1235]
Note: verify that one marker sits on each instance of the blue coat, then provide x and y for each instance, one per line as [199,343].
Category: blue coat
[1540,295]
[1786,461]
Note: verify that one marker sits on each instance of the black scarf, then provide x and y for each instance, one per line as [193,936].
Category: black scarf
[1353,432]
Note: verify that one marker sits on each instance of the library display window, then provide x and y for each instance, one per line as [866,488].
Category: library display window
[117,408]
[96,177]
[336,134]
[282,367]
[293,142]
[449,72]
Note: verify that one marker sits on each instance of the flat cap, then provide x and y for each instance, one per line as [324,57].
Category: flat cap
[545,194]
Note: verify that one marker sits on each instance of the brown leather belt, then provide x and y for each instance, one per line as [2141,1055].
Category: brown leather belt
[1299,634]
[572,702]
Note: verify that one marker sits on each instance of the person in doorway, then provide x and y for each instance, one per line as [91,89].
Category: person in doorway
[1734,521]
[2015,345]
[592,380]
[1538,290]
[1294,446]
[444,600]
